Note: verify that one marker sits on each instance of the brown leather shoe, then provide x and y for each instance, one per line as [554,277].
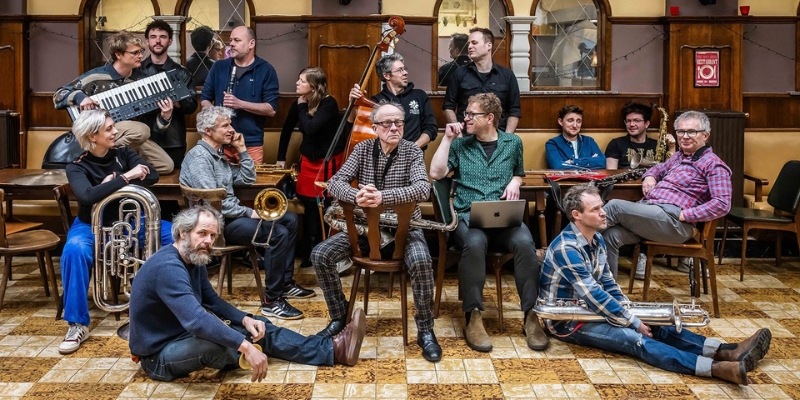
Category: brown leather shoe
[534,334]
[347,344]
[750,350]
[475,334]
[731,371]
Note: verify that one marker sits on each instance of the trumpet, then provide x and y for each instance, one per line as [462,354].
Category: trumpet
[657,314]
[270,205]
[117,251]
[293,171]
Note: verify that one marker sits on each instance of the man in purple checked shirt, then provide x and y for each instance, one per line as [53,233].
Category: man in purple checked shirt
[694,185]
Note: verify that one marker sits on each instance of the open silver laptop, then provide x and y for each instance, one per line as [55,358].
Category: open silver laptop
[497,214]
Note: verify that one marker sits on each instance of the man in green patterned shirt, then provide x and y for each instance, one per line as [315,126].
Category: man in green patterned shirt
[488,165]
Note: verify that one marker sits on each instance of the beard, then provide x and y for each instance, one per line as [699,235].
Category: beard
[195,256]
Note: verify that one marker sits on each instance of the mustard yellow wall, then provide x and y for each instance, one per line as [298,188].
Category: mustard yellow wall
[50,7]
[771,7]
[637,8]
[282,7]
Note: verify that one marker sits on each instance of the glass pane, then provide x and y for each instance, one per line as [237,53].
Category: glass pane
[112,16]
[564,44]
[221,16]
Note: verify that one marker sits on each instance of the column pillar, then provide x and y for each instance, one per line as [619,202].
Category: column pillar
[174,21]
[520,47]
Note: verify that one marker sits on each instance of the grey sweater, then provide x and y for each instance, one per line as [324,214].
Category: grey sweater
[204,168]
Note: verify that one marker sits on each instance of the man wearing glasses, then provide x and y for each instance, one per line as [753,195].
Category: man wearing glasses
[620,151]
[127,52]
[389,171]
[694,185]
[420,123]
[488,165]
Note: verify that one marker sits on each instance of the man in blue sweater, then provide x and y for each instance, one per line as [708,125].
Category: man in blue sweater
[570,149]
[180,325]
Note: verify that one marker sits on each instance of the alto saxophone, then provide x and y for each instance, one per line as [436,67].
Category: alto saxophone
[661,148]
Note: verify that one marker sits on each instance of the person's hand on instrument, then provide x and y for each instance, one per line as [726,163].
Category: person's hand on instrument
[166,107]
[355,92]
[88,104]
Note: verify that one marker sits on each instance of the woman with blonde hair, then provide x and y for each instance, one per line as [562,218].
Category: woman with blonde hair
[316,115]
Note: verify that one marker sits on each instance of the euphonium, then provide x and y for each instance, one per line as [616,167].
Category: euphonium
[117,251]
[277,169]
[657,314]
[270,205]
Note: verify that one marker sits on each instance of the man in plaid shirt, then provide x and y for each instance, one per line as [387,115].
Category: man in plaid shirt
[694,185]
[389,171]
[575,268]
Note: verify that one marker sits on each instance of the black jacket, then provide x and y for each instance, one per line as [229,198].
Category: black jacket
[175,135]
[198,65]
[418,109]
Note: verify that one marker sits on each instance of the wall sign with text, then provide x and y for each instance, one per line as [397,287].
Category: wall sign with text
[706,68]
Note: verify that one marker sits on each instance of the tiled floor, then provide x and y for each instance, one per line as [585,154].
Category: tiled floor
[30,366]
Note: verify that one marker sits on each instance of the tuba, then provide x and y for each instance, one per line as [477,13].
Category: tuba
[657,314]
[117,251]
[270,205]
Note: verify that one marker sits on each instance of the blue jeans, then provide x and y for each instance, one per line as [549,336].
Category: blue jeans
[189,353]
[278,265]
[685,352]
[77,262]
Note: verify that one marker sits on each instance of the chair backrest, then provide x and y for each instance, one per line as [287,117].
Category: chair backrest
[212,197]
[785,193]
[61,194]
[707,232]
[3,241]
[403,211]
[441,195]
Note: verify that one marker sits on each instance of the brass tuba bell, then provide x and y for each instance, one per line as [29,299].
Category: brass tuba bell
[270,205]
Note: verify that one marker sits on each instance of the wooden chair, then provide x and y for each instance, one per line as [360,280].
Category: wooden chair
[784,198]
[375,262]
[220,249]
[32,241]
[494,260]
[700,247]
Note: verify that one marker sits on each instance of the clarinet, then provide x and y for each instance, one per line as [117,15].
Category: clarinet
[231,81]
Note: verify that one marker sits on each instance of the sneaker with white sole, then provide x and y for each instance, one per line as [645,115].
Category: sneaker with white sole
[281,309]
[344,265]
[640,266]
[76,335]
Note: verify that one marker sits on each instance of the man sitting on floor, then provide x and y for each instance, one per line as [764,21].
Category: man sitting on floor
[179,324]
[575,267]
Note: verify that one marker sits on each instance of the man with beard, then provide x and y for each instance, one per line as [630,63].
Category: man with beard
[420,123]
[180,325]
[576,267]
[488,165]
[205,168]
[251,89]
[620,151]
[127,51]
[158,35]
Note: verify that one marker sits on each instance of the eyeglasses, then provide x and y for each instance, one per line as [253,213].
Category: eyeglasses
[471,115]
[400,70]
[136,53]
[687,132]
[388,124]
[633,121]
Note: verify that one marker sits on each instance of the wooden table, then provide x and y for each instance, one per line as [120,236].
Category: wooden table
[534,188]
[167,188]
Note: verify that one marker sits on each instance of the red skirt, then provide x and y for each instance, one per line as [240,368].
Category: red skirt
[311,171]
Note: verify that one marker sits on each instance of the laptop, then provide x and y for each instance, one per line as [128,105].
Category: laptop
[497,214]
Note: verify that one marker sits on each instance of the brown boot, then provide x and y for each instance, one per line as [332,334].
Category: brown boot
[750,350]
[534,334]
[347,344]
[731,371]
[475,334]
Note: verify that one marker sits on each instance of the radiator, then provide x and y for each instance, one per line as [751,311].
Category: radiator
[9,139]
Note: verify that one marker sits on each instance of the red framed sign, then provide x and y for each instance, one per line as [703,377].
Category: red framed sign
[706,68]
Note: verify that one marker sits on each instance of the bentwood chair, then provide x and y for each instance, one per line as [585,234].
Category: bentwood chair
[214,198]
[700,248]
[784,198]
[375,260]
[40,242]
[494,260]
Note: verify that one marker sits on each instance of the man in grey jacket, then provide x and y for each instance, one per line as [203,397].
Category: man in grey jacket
[205,168]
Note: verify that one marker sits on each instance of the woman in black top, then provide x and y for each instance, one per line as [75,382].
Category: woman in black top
[100,171]
[316,115]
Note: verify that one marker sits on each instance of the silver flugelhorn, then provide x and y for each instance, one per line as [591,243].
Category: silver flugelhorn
[657,314]
[117,251]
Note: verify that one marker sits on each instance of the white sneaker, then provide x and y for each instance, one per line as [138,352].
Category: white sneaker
[76,335]
[344,265]
[684,263]
[640,265]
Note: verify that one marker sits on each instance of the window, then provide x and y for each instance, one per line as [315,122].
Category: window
[565,45]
